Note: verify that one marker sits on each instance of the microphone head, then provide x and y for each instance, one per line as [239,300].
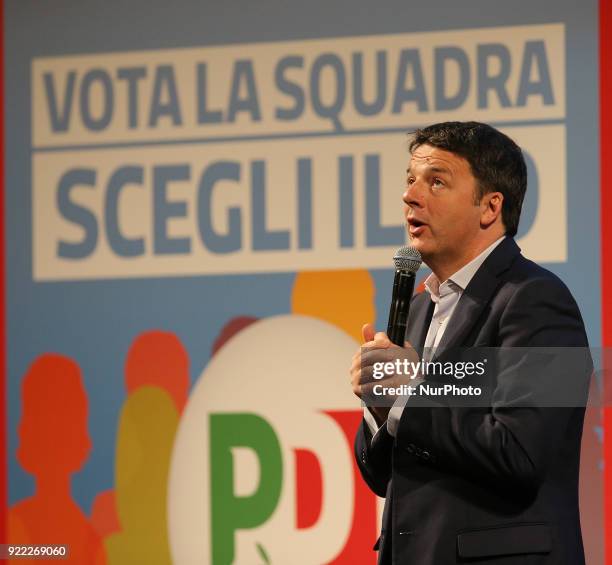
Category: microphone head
[407,259]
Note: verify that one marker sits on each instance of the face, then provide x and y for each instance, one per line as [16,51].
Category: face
[443,217]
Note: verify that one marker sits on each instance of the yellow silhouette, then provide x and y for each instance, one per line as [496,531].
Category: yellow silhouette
[147,427]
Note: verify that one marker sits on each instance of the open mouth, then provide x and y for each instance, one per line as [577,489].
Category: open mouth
[415,227]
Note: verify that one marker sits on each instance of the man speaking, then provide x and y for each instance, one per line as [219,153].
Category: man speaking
[494,483]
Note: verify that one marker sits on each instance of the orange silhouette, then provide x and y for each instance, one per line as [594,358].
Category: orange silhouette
[159,359]
[54,444]
[342,298]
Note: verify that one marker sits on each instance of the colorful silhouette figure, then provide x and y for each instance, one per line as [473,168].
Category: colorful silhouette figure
[54,444]
[147,427]
[343,298]
[133,515]
[155,358]
[104,516]
[159,359]
[230,329]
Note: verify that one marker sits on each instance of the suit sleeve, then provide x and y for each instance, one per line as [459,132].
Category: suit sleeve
[511,442]
[373,456]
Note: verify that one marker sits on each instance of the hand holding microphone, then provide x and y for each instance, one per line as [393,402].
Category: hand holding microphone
[381,347]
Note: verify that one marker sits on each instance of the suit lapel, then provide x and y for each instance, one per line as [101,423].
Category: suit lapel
[419,320]
[467,312]
[477,295]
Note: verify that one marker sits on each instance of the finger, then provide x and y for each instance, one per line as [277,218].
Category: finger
[355,384]
[375,351]
[366,375]
[382,338]
[412,352]
[367,355]
[374,345]
[355,364]
[373,355]
[367,331]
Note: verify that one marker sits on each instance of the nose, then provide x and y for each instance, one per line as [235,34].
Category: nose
[414,195]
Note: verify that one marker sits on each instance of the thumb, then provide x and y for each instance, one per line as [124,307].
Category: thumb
[368,332]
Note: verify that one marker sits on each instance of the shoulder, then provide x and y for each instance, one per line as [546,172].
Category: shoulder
[526,282]
[534,301]
[525,274]
[506,265]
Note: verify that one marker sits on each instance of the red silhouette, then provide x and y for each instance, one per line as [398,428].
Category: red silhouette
[54,444]
[159,359]
[230,329]
[104,516]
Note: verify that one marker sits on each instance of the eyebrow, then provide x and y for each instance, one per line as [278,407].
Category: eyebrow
[434,169]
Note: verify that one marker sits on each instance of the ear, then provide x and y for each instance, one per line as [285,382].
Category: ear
[491,208]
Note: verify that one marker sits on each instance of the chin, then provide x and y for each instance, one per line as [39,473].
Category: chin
[426,249]
[420,245]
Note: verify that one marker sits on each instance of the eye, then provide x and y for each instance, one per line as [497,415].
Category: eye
[410,181]
[437,182]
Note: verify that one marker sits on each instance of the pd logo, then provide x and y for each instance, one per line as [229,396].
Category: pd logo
[262,470]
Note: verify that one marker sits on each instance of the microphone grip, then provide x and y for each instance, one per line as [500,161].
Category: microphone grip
[403,287]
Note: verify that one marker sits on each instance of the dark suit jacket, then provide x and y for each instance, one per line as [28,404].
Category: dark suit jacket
[493,484]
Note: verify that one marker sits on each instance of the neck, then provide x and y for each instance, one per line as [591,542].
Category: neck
[53,485]
[445,266]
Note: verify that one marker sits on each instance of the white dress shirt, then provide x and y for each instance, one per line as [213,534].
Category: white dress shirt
[445,296]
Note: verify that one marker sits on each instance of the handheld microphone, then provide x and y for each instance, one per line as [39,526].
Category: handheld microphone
[407,262]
